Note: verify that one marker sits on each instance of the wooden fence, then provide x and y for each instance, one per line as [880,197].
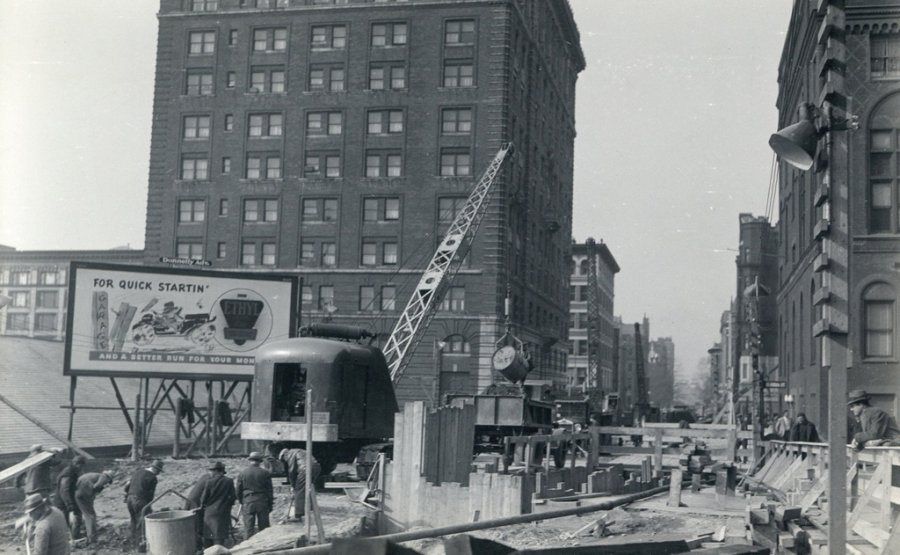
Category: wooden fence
[797,473]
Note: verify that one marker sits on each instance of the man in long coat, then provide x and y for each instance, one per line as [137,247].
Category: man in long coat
[254,493]
[48,533]
[295,464]
[216,500]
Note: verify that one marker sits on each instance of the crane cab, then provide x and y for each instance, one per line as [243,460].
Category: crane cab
[353,398]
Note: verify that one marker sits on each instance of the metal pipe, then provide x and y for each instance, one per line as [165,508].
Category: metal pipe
[471,526]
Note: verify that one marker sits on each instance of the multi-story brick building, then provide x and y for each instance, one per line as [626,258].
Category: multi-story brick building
[661,372]
[627,386]
[37,282]
[338,139]
[841,217]
[607,268]
[754,308]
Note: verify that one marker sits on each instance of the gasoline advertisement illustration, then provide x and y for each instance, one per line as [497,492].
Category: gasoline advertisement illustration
[152,321]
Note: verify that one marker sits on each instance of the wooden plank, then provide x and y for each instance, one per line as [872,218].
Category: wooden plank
[675,489]
[657,453]
[475,493]
[892,545]
[866,497]
[885,493]
[788,475]
[871,532]
[46,428]
[25,466]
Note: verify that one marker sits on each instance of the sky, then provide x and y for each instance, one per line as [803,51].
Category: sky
[672,113]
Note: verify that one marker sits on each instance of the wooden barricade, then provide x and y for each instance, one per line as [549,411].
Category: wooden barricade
[796,474]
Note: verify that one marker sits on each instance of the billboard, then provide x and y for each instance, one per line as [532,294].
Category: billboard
[173,323]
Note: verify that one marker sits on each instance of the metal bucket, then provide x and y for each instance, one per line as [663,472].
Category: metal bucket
[510,363]
[171,533]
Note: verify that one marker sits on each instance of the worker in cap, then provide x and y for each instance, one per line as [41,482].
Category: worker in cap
[295,465]
[254,492]
[46,530]
[87,488]
[37,478]
[216,499]
[877,427]
[139,492]
[65,493]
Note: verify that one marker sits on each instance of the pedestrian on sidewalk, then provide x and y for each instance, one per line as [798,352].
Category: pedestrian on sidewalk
[216,500]
[295,464]
[46,530]
[65,493]
[254,493]
[783,426]
[139,492]
[86,490]
[804,430]
[877,427]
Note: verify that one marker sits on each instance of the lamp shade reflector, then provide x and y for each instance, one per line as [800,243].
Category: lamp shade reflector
[796,144]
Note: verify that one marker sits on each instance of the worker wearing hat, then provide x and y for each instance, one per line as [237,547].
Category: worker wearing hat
[878,427]
[139,492]
[87,488]
[65,493]
[216,499]
[254,493]
[47,531]
[295,465]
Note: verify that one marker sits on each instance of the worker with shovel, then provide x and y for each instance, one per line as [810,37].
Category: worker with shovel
[295,464]
[86,490]
[139,492]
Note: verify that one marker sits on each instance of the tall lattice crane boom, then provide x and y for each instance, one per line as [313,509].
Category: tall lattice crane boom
[440,271]
[593,319]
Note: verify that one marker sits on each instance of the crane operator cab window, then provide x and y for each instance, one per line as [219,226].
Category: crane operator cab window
[289,392]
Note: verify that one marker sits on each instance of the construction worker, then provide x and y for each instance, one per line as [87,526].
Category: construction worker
[37,478]
[216,500]
[295,465]
[86,490]
[46,528]
[65,493]
[877,427]
[254,493]
[139,492]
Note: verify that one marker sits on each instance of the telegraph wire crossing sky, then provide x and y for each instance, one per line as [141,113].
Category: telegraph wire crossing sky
[673,114]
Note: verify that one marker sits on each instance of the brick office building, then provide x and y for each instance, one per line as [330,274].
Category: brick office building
[864,239]
[607,268]
[338,139]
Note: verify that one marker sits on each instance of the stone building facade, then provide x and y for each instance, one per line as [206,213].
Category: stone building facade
[38,282]
[338,139]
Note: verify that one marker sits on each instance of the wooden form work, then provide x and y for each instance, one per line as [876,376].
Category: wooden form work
[797,474]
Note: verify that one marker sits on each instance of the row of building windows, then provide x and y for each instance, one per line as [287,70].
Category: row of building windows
[330,37]
[332,77]
[44,277]
[265,210]
[453,121]
[379,251]
[453,162]
[213,5]
[43,299]
[375,299]
[17,321]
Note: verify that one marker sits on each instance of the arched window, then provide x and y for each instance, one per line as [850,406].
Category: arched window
[878,318]
[884,170]
[584,267]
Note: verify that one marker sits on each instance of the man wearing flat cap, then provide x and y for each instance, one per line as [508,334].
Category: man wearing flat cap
[216,500]
[878,427]
[47,531]
[140,491]
[254,493]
